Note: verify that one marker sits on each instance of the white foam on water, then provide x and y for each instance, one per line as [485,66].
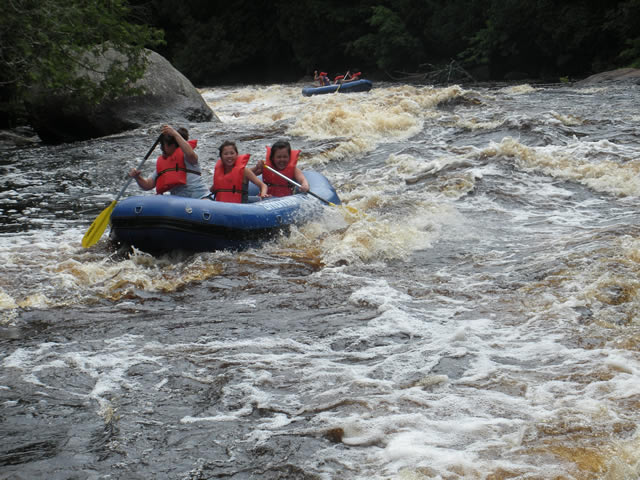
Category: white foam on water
[362,121]
[511,350]
[107,368]
[519,89]
[216,418]
[441,423]
[571,164]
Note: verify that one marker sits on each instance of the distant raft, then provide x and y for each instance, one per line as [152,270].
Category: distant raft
[347,87]
[163,223]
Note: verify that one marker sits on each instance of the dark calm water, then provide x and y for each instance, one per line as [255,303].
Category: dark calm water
[476,318]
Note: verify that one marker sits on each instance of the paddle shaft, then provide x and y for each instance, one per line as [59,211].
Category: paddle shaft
[124,187]
[343,79]
[99,225]
[292,182]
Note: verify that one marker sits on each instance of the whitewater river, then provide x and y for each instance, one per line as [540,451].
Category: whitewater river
[472,315]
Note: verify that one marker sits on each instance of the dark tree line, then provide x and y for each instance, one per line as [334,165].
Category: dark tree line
[214,42]
[252,41]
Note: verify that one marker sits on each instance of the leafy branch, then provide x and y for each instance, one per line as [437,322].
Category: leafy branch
[53,45]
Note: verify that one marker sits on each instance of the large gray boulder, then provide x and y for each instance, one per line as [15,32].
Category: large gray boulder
[621,75]
[169,98]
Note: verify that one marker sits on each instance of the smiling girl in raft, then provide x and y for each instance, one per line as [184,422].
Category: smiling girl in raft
[231,176]
[280,157]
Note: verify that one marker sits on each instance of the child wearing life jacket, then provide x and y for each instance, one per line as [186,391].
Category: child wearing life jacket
[177,169]
[353,77]
[347,77]
[231,175]
[322,79]
[281,158]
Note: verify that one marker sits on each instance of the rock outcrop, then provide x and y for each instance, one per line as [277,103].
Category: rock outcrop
[169,97]
[621,75]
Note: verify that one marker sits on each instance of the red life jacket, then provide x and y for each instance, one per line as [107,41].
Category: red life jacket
[279,187]
[339,77]
[172,170]
[228,187]
[356,76]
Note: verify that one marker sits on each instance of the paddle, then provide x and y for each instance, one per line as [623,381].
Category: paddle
[343,78]
[351,209]
[99,225]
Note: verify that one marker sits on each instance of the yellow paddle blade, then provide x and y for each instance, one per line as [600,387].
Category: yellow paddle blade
[353,210]
[98,226]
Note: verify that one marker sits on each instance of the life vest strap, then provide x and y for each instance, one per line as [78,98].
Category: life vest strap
[288,185]
[178,169]
[231,190]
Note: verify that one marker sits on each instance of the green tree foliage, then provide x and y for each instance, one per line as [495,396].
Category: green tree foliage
[43,43]
[320,32]
[389,40]
[547,38]
[215,42]
[447,26]
[624,20]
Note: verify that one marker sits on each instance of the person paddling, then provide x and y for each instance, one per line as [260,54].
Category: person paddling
[341,78]
[177,169]
[353,77]
[231,176]
[347,77]
[281,158]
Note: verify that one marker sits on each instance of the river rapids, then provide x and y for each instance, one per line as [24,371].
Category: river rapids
[471,314]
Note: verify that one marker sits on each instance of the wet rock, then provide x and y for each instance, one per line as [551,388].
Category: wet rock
[169,97]
[19,137]
[621,75]
[468,99]
[335,434]
[454,368]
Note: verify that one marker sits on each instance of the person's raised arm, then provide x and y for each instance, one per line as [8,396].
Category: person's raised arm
[189,155]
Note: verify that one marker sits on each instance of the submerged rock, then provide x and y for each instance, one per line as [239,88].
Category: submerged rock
[168,97]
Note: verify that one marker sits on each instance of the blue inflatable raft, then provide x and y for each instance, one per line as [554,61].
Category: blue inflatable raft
[347,87]
[162,223]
